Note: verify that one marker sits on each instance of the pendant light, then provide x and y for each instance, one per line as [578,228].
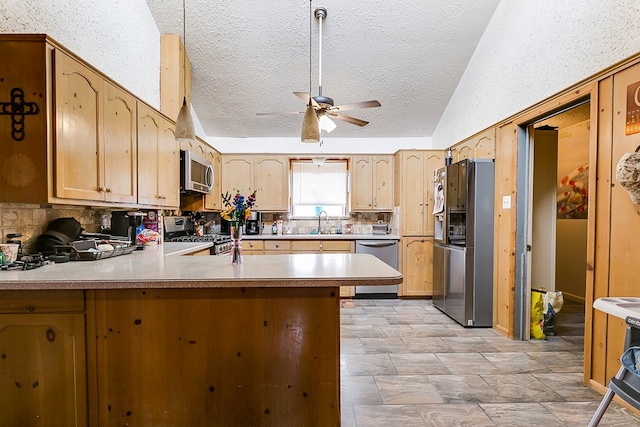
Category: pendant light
[310,125]
[184,123]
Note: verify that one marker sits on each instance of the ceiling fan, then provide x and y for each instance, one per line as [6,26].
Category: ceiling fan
[321,109]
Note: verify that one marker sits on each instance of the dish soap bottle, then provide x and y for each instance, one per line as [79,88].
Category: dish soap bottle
[274,228]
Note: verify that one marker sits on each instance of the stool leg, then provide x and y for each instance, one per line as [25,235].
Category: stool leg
[606,400]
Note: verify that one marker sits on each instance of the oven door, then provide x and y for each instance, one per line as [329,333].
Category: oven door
[221,249]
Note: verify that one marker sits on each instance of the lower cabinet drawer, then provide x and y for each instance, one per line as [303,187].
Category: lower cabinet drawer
[277,245]
[42,301]
[337,245]
[253,245]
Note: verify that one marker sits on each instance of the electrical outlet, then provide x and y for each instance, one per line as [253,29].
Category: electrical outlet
[506,202]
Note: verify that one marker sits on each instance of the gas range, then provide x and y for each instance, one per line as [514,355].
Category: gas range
[221,244]
[26,262]
[182,229]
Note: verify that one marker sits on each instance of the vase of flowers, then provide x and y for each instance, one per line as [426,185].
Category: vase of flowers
[237,211]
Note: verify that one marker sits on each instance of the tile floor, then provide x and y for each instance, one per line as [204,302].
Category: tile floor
[404,363]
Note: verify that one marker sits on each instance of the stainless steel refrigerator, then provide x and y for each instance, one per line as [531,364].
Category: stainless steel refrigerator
[463,252]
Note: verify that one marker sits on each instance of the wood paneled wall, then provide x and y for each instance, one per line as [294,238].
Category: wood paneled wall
[504,230]
[613,251]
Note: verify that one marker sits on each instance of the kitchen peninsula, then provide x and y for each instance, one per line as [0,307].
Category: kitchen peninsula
[148,339]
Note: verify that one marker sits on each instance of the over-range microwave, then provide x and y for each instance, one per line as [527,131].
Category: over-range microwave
[196,173]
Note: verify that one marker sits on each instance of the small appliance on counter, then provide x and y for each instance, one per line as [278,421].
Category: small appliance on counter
[380,229]
[225,227]
[254,223]
[126,224]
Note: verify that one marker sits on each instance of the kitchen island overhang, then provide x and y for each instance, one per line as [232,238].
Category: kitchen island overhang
[234,347]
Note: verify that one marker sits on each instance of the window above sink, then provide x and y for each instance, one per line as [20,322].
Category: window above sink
[319,187]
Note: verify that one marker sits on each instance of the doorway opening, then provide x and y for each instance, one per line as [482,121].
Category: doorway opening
[553,249]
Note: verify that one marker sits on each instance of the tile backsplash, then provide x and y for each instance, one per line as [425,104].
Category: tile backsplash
[31,220]
[361,222]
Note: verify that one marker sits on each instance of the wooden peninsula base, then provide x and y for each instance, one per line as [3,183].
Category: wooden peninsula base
[217,357]
[149,340]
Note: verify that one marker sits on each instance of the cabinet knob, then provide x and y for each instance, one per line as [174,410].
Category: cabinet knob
[320,245]
[277,246]
[108,190]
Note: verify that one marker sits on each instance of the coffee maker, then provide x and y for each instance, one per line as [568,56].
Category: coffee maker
[254,223]
[125,224]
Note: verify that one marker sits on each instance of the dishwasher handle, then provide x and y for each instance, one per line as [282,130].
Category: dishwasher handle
[376,244]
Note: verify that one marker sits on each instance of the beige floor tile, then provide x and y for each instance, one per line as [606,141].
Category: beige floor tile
[403,363]
[407,389]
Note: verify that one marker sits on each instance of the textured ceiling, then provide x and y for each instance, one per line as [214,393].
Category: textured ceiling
[249,56]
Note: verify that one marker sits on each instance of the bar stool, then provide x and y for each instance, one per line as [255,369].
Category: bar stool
[625,384]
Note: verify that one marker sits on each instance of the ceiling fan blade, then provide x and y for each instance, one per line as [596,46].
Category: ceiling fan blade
[280,112]
[356,105]
[305,97]
[348,119]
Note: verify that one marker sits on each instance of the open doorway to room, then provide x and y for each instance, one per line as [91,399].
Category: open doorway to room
[557,214]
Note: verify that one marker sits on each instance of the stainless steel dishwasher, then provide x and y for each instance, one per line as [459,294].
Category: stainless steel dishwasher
[387,251]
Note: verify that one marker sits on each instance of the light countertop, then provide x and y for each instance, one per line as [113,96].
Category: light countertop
[158,267]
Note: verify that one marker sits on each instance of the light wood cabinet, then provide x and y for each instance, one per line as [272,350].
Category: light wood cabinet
[480,146]
[158,160]
[253,247]
[277,247]
[213,200]
[372,183]
[320,246]
[95,145]
[78,142]
[417,267]
[43,364]
[237,174]
[415,170]
[267,174]
[326,246]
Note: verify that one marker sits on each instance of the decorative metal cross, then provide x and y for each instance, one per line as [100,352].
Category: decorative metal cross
[17,109]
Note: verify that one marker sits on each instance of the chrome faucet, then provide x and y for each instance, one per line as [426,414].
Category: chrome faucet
[326,216]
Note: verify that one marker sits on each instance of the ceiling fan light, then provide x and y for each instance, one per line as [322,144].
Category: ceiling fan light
[326,124]
[184,123]
[310,126]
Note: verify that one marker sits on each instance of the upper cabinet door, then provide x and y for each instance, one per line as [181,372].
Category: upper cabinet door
[271,179]
[361,183]
[120,146]
[148,140]
[169,165]
[412,197]
[237,174]
[213,200]
[433,160]
[382,183]
[78,144]
[372,183]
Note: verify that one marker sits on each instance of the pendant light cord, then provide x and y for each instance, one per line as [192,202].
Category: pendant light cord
[310,19]
[184,50]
